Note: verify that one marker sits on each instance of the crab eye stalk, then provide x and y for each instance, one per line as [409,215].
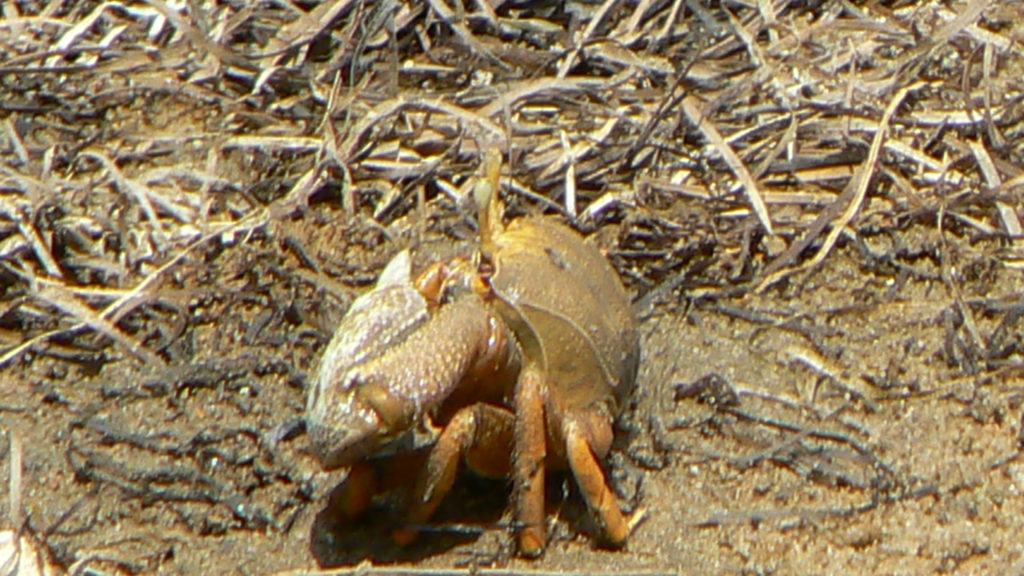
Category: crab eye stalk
[487,195]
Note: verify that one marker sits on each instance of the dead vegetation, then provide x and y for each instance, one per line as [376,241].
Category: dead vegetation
[182,183]
[136,136]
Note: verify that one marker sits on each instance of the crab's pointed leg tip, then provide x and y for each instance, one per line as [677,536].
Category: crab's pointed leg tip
[530,546]
[635,519]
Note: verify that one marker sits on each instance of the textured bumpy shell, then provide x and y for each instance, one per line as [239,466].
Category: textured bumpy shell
[374,323]
[563,296]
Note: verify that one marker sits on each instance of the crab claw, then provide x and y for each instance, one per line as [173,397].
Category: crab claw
[367,416]
[348,435]
[346,416]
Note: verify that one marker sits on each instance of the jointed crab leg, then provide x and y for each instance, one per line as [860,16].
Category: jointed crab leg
[482,435]
[583,438]
[528,466]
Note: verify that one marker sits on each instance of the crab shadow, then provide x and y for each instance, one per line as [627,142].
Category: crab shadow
[475,505]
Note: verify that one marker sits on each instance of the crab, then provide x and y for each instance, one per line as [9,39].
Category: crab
[514,361]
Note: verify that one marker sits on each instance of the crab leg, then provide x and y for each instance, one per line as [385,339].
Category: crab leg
[528,466]
[482,435]
[583,437]
[353,496]
[369,478]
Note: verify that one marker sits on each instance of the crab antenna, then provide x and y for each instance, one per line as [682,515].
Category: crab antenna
[487,195]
